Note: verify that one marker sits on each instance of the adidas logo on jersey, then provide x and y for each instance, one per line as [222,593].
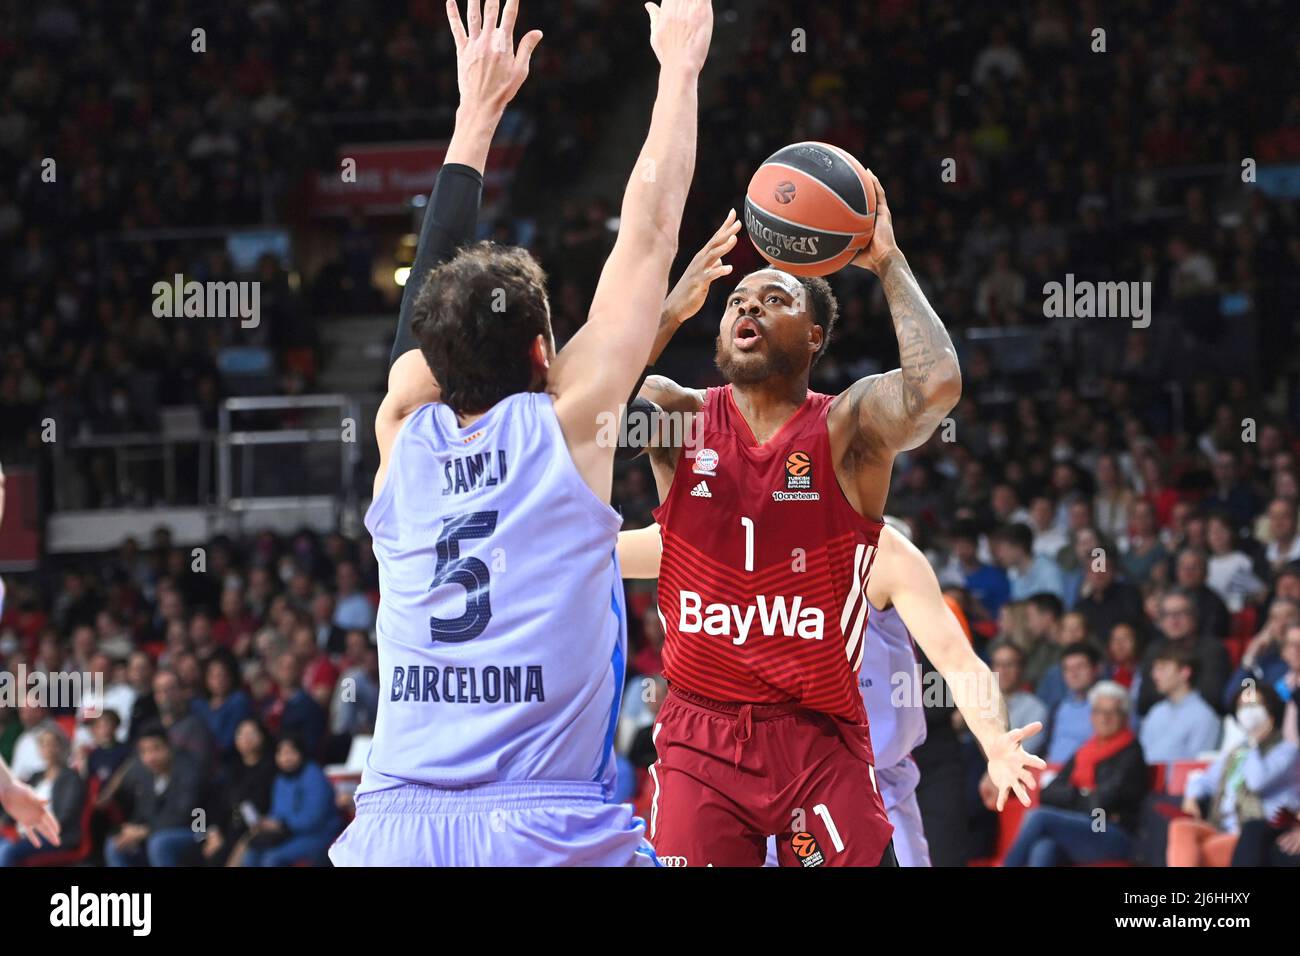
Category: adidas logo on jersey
[701,490]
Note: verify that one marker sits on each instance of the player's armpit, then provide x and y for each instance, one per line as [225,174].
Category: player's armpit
[639,552]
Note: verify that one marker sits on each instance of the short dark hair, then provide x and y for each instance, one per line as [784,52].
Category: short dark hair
[153,729]
[1048,603]
[823,308]
[1180,657]
[475,318]
[965,529]
[1084,648]
[1018,535]
[1003,644]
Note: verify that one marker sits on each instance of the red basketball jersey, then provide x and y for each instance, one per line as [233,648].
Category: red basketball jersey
[762,587]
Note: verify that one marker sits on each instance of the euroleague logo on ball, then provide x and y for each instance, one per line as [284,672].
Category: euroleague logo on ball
[784,192]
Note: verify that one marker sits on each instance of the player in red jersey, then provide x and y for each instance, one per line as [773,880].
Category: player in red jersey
[770,527]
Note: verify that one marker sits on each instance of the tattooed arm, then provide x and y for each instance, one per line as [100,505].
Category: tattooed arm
[881,415]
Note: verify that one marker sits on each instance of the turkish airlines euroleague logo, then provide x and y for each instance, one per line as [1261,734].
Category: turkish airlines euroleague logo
[798,470]
[798,479]
[784,193]
[805,849]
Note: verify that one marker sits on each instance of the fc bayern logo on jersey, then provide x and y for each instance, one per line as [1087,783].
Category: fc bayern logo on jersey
[706,462]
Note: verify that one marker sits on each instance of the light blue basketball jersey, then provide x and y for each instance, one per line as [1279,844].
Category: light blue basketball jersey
[889,660]
[501,626]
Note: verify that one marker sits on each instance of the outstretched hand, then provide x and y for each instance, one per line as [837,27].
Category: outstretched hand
[31,811]
[688,295]
[489,69]
[1011,766]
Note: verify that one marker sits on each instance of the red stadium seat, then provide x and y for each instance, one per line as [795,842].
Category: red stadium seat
[1245,623]
[70,856]
[1176,784]
[1009,821]
[1236,647]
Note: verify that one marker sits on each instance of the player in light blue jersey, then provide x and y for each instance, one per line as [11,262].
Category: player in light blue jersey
[501,625]
[905,602]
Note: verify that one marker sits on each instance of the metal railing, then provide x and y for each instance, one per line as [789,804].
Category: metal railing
[237,494]
[267,453]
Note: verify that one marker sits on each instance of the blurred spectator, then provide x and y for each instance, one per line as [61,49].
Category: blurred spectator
[1252,781]
[1104,779]
[29,756]
[293,710]
[244,796]
[1230,573]
[1007,661]
[164,791]
[1181,726]
[302,821]
[109,752]
[356,698]
[226,705]
[353,610]
[1070,724]
[1178,628]
[1211,612]
[1013,547]
[185,728]
[1123,655]
[987,583]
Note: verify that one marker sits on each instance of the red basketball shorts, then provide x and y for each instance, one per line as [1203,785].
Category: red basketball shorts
[729,775]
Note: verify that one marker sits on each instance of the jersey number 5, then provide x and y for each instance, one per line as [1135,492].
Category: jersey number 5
[470,573]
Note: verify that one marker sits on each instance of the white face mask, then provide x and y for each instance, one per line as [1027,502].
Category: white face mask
[1252,717]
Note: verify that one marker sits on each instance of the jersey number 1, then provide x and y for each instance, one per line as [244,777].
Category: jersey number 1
[748,524]
[470,573]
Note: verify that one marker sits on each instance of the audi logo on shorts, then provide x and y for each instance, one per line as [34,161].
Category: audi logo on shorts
[673,861]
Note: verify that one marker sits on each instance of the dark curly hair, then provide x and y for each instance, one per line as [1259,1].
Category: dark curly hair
[823,308]
[475,319]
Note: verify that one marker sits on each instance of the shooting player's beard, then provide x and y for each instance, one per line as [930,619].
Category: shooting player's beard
[750,368]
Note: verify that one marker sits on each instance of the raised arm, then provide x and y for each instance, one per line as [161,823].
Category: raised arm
[881,415]
[594,373]
[489,72]
[902,576]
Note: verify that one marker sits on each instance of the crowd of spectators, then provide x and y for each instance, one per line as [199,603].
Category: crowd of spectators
[224,692]
[1117,517]
[154,129]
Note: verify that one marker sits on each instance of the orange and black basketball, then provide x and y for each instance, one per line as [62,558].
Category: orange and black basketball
[810,209]
[798,464]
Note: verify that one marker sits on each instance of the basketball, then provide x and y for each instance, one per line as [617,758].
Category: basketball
[810,209]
